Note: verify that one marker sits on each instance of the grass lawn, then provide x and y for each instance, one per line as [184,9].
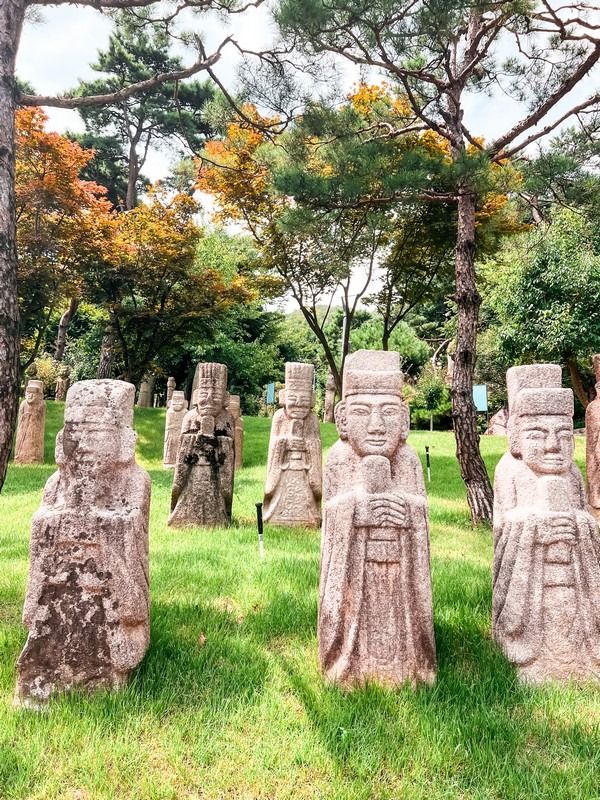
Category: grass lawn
[229,702]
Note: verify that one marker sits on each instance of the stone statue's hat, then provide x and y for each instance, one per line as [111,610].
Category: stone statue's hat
[536,389]
[372,372]
[179,395]
[210,371]
[299,375]
[102,402]
[33,384]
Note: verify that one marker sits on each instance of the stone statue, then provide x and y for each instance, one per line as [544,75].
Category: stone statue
[170,389]
[144,394]
[546,575]
[203,482]
[328,412]
[31,373]
[293,487]
[29,442]
[592,446]
[62,384]
[375,602]
[87,601]
[236,411]
[176,412]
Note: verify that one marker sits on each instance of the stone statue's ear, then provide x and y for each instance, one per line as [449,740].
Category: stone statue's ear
[339,414]
[59,453]
[513,430]
[405,416]
[282,396]
[128,440]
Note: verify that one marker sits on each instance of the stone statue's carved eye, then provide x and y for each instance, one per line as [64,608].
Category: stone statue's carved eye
[390,411]
[360,411]
[566,433]
[535,434]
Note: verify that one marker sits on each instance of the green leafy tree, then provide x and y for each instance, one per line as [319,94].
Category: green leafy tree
[546,296]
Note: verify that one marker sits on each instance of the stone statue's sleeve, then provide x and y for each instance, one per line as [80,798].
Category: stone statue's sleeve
[134,565]
[277,448]
[182,467]
[315,451]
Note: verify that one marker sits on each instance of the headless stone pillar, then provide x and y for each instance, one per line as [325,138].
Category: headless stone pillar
[31,426]
[294,469]
[546,575]
[87,601]
[328,415]
[236,411]
[176,412]
[592,446]
[170,389]
[203,482]
[62,384]
[375,602]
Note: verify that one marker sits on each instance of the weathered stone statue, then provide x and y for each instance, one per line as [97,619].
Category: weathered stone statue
[375,608]
[328,411]
[144,394]
[203,482]
[236,412]
[176,412]
[294,469]
[31,373]
[170,389]
[87,601]
[592,446]
[546,578]
[29,442]
[62,384]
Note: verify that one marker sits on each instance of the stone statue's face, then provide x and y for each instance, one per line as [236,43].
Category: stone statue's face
[547,444]
[298,403]
[91,445]
[177,404]
[210,398]
[375,423]
[32,395]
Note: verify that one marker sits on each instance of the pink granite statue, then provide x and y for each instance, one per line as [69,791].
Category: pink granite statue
[592,446]
[171,385]
[31,427]
[294,469]
[375,610]
[328,411]
[546,578]
[236,411]
[203,483]
[176,412]
[87,601]
[62,384]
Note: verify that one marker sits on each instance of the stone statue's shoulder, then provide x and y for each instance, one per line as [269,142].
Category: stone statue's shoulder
[340,453]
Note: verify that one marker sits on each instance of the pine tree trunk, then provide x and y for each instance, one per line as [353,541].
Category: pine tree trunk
[63,327]
[11,22]
[107,353]
[472,468]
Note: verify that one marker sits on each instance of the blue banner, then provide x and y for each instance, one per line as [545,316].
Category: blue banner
[480,397]
[270,393]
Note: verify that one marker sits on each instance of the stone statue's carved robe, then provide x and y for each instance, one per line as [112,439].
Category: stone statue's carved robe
[202,492]
[546,600]
[592,456]
[375,610]
[29,441]
[294,471]
[173,424]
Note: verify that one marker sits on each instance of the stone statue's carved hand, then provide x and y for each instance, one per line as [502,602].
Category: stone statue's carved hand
[558,526]
[387,509]
[296,443]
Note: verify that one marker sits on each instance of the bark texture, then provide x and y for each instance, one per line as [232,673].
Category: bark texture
[464,414]
[107,353]
[11,22]
[63,327]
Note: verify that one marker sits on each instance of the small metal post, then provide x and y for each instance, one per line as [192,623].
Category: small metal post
[428,464]
[259,523]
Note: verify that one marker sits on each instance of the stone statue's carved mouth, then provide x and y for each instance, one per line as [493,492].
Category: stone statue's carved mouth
[377,442]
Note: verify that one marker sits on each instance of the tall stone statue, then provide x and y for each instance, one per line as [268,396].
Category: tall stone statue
[87,601]
[62,384]
[592,446]
[145,393]
[29,442]
[236,411]
[31,373]
[176,412]
[170,389]
[546,575]
[294,469]
[328,411]
[375,602]
[203,482]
